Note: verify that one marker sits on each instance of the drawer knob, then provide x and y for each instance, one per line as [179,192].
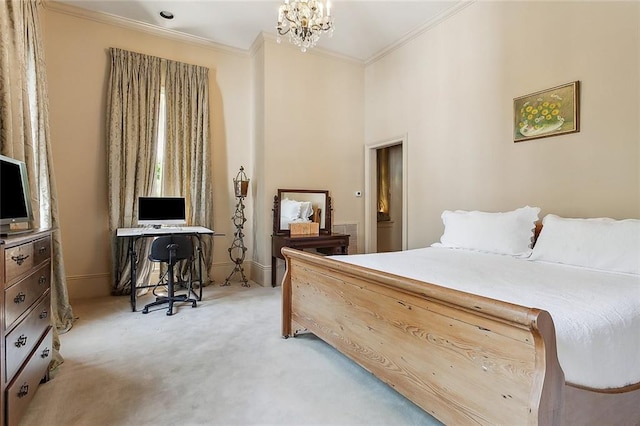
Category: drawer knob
[42,280]
[19,259]
[22,340]
[24,390]
[45,353]
[42,250]
[20,297]
[44,314]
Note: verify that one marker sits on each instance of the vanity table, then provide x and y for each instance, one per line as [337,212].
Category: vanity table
[316,207]
[324,243]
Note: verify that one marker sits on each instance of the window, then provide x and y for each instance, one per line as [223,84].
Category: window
[156,188]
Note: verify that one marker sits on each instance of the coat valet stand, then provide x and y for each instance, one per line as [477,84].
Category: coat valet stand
[237,250]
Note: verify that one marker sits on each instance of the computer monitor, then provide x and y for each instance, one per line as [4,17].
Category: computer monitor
[158,211]
[15,199]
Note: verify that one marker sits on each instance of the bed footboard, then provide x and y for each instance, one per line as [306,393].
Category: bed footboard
[464,359]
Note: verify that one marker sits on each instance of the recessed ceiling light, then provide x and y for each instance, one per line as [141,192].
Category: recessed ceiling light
[166,14]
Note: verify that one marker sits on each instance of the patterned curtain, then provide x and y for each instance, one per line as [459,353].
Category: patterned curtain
[132,128]
[132,131]
[24,135]
[186,170]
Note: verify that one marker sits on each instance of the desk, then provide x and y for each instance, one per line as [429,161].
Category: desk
[325,243]
[134,234]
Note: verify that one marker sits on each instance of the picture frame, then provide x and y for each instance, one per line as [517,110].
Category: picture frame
[546,113]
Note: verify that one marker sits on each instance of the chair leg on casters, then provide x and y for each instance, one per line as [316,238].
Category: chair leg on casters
[170,290]
[171,297]
[190,288]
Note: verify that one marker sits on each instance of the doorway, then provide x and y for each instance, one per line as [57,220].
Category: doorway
[389,198]
[386,196]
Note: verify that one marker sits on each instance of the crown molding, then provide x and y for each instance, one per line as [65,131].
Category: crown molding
[317,51]
[106,18]
[419,31]
[121,22]
[258,42]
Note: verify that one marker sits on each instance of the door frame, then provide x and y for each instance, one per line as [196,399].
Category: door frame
[370,192]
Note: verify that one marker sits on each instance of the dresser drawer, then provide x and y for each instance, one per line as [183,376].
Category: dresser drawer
[20,296]
[41,250]
[23,338]
[24,386]
[17,261]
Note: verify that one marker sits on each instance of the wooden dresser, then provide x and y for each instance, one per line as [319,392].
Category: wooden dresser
[25,322]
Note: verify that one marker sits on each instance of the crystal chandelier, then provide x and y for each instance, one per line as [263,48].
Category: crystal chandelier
[304,21]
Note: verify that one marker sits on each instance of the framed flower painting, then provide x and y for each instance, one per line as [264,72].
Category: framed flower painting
[547,113]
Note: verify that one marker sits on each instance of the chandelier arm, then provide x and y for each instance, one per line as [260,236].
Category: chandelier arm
[292,20]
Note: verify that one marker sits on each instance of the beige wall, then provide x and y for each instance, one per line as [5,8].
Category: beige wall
[313,112]
[258,196]
[451,91]
[302,121]
[291,120]
[76,49]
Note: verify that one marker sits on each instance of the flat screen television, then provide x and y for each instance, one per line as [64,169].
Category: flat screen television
[15,196]
[159,211]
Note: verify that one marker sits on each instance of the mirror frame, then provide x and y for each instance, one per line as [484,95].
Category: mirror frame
[284,193]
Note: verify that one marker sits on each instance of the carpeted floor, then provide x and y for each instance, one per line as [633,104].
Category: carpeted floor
[222,363]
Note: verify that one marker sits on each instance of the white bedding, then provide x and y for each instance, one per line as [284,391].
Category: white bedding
[596,314]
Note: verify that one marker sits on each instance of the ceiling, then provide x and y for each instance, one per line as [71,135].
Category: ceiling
[363,29]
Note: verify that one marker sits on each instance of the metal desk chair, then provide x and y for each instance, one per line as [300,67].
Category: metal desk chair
[171,249]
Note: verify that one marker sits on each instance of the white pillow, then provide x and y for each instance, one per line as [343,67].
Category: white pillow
[289,211]
[306,210]
[509,233]
[598,243]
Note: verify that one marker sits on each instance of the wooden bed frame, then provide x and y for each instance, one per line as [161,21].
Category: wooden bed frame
[463,358]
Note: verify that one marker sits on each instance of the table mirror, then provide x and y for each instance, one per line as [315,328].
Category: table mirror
[301,205]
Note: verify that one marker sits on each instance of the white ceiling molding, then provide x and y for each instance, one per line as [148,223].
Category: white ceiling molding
[124,22]
[118,21]
[419,31]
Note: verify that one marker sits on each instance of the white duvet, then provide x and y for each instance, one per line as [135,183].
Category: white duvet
[596,314]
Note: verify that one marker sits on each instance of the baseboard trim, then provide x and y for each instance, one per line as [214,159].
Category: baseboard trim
[260,274]
[87,286]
